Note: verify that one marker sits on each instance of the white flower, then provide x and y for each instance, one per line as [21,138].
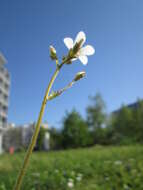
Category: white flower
[70,184]
[56,171]
[107,178]
[83,51]
[118,162]
[78,178]
[126,187]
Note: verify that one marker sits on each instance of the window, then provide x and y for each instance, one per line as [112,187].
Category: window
[6,86]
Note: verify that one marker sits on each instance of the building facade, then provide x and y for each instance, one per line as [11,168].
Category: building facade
[4,91]
[18,137]
[4,94]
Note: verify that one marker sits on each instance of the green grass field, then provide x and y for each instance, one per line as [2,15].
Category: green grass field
[99,168]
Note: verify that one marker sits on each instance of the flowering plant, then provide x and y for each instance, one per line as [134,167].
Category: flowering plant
[76,51]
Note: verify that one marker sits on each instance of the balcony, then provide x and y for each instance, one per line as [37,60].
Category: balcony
[3,101]
[3,114]
[4,89]
[4,77]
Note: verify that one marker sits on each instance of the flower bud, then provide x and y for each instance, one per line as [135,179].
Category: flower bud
[79,75]
[76,47]
[54,94]
[53,54]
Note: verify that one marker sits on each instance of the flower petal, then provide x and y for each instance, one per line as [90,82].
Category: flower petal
[80,36]
[74,59]
[83,59]
[87,50]
[68,42]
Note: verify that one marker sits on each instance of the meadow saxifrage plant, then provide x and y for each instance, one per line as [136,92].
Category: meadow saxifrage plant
[76,51]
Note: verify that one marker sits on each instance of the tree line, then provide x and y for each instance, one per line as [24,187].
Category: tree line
[125,126]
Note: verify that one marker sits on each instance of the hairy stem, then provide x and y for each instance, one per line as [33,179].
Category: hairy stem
[36,132]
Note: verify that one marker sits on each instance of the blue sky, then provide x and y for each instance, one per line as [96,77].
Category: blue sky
[113,27]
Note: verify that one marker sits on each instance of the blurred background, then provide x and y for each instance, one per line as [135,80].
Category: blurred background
[102,113]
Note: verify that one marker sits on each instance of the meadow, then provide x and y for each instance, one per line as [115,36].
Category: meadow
[99,168]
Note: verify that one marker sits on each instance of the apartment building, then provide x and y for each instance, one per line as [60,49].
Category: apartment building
[4,91]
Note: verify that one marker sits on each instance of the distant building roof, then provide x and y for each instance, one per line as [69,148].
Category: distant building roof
[131,106]
[134,105]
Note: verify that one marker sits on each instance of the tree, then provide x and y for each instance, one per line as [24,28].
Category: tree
[138,121]
[122,125]
[75,131]
[40,140]
[96,117]
[55,139]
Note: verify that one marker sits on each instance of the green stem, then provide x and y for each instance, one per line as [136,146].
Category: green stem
[36,132]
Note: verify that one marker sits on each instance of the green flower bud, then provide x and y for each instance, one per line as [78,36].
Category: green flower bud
[54,94]
[53,54]
[79,75]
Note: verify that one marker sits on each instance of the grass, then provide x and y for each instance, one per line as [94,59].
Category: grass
[99,168]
